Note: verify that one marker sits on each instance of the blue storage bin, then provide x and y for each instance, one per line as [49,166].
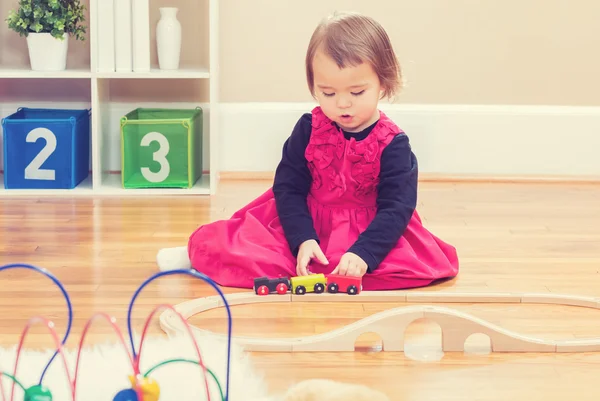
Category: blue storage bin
[46,148]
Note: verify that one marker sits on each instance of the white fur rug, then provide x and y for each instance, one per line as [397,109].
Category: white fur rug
[104,370]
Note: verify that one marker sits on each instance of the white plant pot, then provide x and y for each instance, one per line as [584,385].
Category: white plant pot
[168,39]
[46,53]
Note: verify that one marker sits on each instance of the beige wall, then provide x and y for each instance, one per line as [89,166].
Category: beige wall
[452,51]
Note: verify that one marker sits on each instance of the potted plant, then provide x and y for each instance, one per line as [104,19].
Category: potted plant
[47,25]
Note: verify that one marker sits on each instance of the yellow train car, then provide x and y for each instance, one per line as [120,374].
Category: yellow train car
[311,283]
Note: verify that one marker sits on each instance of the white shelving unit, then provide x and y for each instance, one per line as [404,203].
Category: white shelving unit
[111,95]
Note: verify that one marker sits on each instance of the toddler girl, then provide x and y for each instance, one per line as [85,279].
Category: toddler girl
[345,191]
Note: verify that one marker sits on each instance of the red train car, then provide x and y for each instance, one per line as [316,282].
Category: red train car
[267,285]
[349,284]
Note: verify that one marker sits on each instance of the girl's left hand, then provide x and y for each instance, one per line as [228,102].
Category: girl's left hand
[351,265]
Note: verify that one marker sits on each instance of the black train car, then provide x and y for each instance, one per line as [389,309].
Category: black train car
[266,286]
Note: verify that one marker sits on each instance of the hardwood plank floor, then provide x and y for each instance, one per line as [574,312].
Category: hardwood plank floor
[511,237]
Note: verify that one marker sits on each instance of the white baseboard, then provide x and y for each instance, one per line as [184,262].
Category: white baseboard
[449,141]
[453,140]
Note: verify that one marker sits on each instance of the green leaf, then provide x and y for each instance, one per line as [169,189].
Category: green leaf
[51,16]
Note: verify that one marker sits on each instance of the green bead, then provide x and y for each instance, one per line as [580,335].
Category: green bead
[38,393]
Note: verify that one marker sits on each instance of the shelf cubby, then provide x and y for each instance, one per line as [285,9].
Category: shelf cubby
[111,95]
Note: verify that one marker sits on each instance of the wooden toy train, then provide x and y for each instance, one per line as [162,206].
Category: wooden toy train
[316,283]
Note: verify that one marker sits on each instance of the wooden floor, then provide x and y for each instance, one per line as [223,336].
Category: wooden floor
[510,237]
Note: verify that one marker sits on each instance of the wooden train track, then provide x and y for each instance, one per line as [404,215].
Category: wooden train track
[391,324]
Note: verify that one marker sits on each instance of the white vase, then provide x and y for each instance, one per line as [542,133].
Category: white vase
[168,39]
[47,53]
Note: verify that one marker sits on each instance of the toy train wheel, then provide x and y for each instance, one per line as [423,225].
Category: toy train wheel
[333,288]
[352,290]
[319,288]
[300,290]
[262,290]
[282,288]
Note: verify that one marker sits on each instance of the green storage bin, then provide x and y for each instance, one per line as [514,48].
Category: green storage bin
[161,148]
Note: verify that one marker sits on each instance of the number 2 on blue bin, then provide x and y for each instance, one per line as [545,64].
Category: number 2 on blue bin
[33,170]
[159,156]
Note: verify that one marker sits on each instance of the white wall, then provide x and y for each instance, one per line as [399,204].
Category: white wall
[453,139]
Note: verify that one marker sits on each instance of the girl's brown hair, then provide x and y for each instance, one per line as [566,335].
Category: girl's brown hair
[351,39]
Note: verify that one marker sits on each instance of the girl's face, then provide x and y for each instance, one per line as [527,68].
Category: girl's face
[348,96]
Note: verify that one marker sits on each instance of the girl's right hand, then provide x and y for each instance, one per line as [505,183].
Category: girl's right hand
[309,250]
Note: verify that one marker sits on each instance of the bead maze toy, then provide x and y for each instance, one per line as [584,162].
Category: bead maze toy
[143,386]
[391,324]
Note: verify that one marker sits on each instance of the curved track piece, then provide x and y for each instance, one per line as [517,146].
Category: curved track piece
[391,324]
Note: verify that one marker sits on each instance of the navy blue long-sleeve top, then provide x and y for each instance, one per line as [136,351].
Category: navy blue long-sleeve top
[396,194]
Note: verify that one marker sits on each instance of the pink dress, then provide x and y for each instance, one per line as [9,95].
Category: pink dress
[342,203]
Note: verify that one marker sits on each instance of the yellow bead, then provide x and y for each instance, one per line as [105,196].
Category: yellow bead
[149,386]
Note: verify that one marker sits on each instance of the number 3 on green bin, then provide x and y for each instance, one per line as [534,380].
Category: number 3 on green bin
[159,156]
